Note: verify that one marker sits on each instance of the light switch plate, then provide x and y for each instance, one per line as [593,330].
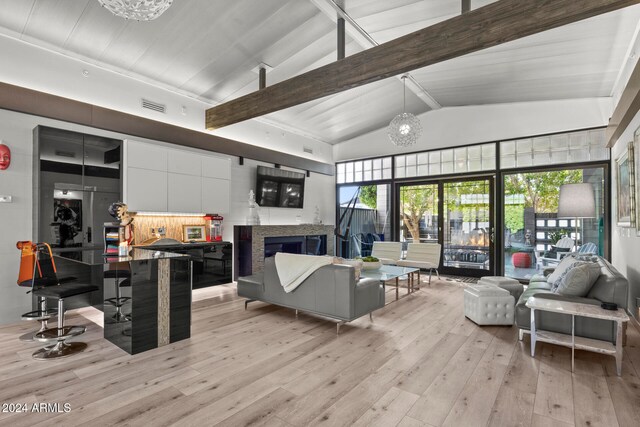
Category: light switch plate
[6,199]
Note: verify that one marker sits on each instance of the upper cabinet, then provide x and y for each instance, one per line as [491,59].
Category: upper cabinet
[183,181]
[145,156]
[185,162]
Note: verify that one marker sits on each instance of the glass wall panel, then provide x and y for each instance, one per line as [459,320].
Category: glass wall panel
[419,213]
[467,225]
[365,211]
[363,170]
[571,147]
[531,224]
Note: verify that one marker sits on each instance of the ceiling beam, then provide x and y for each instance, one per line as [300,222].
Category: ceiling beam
[336,12]
[491,25]
[626,109]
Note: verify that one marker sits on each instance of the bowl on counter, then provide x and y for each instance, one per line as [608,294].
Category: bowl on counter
[371,265]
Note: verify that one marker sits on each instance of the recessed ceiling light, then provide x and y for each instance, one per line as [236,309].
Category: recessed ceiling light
[85,73]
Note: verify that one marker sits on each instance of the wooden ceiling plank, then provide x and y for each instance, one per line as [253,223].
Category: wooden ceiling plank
[488,26]
[626,110]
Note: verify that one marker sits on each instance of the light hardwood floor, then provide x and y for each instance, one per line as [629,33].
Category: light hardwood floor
[419,363]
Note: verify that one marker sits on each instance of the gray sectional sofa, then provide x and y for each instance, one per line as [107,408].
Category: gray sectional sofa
[331,291]
[611,286]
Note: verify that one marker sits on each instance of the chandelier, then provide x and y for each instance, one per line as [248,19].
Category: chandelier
[137,10]
[405,129]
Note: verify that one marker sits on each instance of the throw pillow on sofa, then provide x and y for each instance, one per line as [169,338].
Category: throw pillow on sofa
[566,262]
[578,279]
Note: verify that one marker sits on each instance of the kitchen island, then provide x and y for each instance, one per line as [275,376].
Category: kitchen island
[146,295]
[212,261]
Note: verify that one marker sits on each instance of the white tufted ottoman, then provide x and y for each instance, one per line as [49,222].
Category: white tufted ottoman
[488,305]
[514,287]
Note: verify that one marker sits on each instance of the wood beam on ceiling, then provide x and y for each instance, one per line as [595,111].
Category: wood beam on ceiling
[335,11]
[29,101]
[626,110]
[491,25]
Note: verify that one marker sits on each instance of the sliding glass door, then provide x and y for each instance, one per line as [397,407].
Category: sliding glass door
[458,215]
[467,238]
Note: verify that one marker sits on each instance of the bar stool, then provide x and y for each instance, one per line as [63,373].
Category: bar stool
[59,335]
[29,277]
[117,274]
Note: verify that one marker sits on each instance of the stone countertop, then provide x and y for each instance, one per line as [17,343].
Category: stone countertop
[97,257]
[194,245]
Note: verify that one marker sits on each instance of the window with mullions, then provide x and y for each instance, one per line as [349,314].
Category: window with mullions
[571,147]
[363,170]
[474,158]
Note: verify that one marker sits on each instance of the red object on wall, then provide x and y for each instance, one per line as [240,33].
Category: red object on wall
[5,157]
[521,260]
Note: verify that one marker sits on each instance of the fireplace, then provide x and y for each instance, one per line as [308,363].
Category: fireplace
[309,245]
[254,243]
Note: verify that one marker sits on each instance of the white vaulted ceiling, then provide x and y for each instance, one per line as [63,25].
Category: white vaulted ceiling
[209,50]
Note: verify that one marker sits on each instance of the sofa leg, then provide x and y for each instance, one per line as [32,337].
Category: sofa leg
[520,334]
[296,314]
[438,273]
[430,271]
[371,316]
[246,302]
[340,323]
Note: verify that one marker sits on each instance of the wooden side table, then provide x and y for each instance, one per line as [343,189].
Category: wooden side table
[577,309]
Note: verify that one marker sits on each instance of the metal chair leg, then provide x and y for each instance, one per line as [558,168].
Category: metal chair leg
[42,316]
[438,273]
[430,271]
[60,335]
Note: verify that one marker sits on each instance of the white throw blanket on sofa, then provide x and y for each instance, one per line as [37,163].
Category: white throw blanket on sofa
[292,269]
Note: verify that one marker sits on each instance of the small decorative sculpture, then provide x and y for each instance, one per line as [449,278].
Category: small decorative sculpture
[120,211]
[253,218]
[5,156]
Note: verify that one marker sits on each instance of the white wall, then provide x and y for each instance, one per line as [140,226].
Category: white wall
[35,68]
[454,126]
[625,243]
[15,218]
[16,131]
[319,190]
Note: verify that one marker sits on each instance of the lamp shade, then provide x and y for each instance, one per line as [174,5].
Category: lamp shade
[577,201]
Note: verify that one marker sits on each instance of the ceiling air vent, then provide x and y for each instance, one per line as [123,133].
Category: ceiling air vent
[155,106]
[307,150]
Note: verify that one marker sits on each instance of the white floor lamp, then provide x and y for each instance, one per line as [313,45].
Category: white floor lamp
[577,201]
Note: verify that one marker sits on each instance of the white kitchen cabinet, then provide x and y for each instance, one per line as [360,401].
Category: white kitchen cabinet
[184,193]
[216,167]
[146,190]
[146,156]
[160,178]
[215,195]
[185,162]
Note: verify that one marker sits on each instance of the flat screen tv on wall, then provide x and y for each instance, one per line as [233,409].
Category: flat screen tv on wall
[279,188]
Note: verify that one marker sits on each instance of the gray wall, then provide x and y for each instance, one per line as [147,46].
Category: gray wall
[625,243]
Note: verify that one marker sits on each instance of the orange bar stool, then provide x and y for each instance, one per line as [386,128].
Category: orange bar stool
[30,276]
